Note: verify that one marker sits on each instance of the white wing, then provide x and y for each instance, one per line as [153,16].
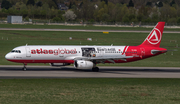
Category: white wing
[104,58]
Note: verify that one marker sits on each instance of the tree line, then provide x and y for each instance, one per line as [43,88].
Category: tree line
[94,10]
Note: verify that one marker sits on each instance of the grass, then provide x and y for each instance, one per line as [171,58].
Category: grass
[12,39]
[88,27]
[90,91]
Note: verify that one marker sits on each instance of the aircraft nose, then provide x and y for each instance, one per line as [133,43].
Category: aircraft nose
[8,56]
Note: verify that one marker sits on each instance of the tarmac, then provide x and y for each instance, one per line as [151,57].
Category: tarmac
[13,71]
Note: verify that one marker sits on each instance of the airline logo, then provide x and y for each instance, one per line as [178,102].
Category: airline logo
[155,36]
[53,51]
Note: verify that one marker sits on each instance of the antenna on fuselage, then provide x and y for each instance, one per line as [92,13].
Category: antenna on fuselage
[26,44]
[111,44]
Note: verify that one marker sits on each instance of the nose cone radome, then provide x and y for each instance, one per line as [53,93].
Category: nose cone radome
[8,56]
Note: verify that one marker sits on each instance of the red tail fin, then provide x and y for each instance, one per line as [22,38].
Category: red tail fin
[154,38]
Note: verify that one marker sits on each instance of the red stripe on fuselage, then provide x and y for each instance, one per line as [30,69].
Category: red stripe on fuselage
[66,61]
[125,49]
[42,61]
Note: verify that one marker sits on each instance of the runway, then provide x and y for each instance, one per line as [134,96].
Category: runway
[8,71]
[82,30]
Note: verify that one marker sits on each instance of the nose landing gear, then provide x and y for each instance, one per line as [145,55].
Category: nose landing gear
[24,68]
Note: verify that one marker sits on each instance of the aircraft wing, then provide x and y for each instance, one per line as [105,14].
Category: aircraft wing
[109,58]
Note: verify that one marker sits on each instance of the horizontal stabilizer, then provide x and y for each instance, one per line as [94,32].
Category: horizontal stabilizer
[157,51]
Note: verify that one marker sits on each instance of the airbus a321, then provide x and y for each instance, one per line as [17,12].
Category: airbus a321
[87,57]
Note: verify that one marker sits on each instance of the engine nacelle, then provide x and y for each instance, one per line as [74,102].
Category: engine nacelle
[59,64]
[82,64]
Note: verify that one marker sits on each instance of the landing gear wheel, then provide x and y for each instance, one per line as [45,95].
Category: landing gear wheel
[24,68]
[95,69]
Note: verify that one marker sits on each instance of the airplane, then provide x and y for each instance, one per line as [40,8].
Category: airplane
[87,57]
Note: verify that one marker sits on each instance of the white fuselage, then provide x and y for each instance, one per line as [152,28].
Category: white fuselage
[61,54]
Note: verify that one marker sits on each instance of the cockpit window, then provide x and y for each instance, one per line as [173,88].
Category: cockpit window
[15,51]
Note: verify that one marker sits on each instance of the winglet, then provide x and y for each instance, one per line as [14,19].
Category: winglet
[154,38]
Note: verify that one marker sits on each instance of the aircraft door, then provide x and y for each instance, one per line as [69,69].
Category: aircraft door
[28,52]
[62,52]
[101,53]
[142,52]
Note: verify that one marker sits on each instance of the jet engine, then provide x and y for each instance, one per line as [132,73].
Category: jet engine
[82,64]
[59,64]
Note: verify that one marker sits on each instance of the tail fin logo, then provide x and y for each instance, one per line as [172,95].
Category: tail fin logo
[154,37]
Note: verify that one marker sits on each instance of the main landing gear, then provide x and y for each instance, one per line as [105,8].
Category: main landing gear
[24,68]
[95,69]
